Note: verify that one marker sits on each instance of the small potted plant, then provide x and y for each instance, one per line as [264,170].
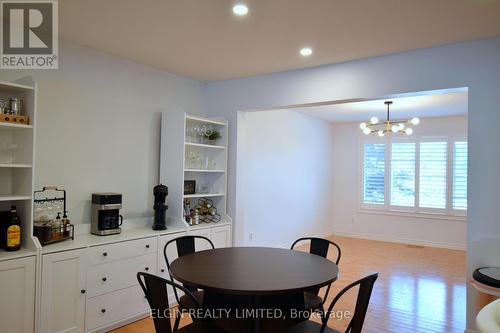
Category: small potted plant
[213,136]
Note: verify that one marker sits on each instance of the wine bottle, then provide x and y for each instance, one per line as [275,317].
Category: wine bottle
[13,231]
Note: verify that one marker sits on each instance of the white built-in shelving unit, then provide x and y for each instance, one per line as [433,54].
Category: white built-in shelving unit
[178,144]
[17,151]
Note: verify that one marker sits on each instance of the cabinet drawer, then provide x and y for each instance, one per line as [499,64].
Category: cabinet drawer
[119,274]
[112,252]
[106,309]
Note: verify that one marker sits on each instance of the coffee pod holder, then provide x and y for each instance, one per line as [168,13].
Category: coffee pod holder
[47,233]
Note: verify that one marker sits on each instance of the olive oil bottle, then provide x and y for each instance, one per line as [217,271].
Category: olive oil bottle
[13,231]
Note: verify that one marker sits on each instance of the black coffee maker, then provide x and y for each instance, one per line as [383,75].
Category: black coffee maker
[160,193]
[106,218]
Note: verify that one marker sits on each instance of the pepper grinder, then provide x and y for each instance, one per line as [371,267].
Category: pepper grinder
[160,193]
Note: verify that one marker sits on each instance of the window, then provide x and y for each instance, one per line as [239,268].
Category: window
[403,174]
[459,200]
[433,162]
[374,173]
[419,176]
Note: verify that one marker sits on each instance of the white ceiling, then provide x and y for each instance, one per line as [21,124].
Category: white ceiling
[201,39]
[424,106]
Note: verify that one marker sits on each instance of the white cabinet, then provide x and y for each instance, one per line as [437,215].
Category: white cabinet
[106,278]
[172,255]
[105,310]
[221,236]
[63,292]
[200,244]
[113,292]
[17,295]
[123,250]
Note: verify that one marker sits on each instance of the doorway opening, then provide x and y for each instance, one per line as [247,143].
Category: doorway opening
[310,170]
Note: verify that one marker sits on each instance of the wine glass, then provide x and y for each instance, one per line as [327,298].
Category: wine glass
[208,132]
[190,133]
[204,129]
[195,131]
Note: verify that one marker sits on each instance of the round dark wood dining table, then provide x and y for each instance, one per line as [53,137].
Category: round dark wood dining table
[253,278]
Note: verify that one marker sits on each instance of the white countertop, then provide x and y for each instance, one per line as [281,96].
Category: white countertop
[4,255]
[132,229]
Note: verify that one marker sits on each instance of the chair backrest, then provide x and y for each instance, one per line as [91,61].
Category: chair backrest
[185,245]
[320,247]
[155,289]
[364,294]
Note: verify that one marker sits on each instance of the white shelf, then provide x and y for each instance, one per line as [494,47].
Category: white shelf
[175,142]
[191,144]
[15,126]
[14,87]
[205,120]
[7,165]
[14,197]
[203,170]
[204,225]
[206,195]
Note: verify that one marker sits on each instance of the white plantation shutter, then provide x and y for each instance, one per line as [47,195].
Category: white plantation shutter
[374,173]
[433,165]
[403,174]
[459,199]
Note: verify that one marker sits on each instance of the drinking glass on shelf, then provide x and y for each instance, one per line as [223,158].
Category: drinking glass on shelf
[190,160]
[205,188]
[201,163]
[211,164]
[7,152]
[191,131]
[196,132]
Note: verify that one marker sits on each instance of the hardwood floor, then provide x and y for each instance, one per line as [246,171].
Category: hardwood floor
[420,289]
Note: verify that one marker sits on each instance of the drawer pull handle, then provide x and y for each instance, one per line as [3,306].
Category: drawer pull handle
[104,279]
[147,269]
[82,291]
[147,246]
[162,270]
[103,310]
[105,254]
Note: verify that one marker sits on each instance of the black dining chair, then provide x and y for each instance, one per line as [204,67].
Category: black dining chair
[185,245]
[320,247]
[155,290]
[358,318]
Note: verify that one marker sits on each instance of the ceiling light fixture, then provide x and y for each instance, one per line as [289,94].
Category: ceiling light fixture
[240,9]
[388,126]
[306,51]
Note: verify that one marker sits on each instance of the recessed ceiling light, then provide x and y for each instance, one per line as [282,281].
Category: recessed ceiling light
[306,51]
[240,9]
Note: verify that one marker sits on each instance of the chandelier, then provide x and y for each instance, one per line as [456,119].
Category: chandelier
[388,126]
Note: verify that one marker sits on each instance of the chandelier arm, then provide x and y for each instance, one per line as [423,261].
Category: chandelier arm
[387,126]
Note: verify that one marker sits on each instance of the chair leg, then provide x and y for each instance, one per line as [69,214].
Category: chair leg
[321,312]
[177,321]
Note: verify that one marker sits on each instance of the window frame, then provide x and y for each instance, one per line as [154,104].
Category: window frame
[386,208]
[451,145]
[361,194]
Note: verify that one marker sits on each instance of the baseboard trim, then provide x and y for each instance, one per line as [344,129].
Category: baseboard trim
[288,244]
[398,240]
[122,322]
